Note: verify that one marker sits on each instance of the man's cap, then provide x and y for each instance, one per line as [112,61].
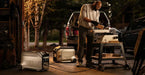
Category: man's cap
[98,0]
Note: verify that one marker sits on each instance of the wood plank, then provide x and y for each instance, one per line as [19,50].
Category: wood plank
[108,56]
[4,11]
[139,43]
[5,22]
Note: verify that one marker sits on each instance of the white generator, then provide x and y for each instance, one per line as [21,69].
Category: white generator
[38,61]
[64,54]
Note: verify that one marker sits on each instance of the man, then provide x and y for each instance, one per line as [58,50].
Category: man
[88,19]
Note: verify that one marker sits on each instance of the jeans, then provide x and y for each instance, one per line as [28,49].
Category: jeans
[83,34]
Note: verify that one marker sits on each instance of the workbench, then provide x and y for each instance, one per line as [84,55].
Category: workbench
[110,41]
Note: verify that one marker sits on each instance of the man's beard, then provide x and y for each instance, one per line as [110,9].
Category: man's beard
[94,8]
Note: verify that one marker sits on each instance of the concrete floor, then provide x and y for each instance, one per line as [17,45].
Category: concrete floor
[71,69]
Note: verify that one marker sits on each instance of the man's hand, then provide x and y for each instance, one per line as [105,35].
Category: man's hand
[100,26]
[91,31]
[95,23]
[86,19]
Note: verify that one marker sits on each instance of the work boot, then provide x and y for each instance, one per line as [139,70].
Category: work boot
[90,65]
[79,64]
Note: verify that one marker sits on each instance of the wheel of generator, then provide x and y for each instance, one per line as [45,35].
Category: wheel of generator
[55,59]
[20,67]
[39,70]
[74,61]
[42,70]
[127,67]
[101,68]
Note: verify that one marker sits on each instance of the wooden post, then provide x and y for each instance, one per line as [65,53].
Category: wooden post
[139,52]
[61,36]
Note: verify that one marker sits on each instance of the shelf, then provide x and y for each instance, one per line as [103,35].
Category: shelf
[5,22]
[108,56]
[4,8]
[4,11]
